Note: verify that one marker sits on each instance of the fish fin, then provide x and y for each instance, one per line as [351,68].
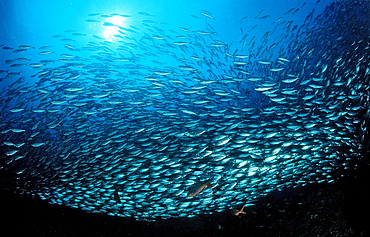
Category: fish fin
[207,183]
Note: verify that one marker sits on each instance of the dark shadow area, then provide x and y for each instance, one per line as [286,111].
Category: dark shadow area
[338,209]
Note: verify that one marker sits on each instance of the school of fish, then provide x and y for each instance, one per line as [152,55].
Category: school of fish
[174,122]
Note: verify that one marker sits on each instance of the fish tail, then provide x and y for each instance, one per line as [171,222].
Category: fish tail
[208,183]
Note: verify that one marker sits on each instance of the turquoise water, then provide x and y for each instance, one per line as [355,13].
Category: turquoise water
[123,108]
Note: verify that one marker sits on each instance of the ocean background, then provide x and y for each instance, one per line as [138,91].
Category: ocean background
[35,22]
[120,108]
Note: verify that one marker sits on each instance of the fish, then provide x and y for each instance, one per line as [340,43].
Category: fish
[144,13]
[45,52]
[92,20]
[11,152]
[127,122]
[25,47]
[206,14]
[116,196]
[198,187]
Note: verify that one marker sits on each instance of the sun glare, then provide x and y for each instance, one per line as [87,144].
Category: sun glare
[111,30]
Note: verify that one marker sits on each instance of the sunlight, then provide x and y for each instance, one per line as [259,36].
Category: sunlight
[111,27]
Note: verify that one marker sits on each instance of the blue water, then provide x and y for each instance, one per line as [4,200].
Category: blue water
[135,101]
[34,22]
